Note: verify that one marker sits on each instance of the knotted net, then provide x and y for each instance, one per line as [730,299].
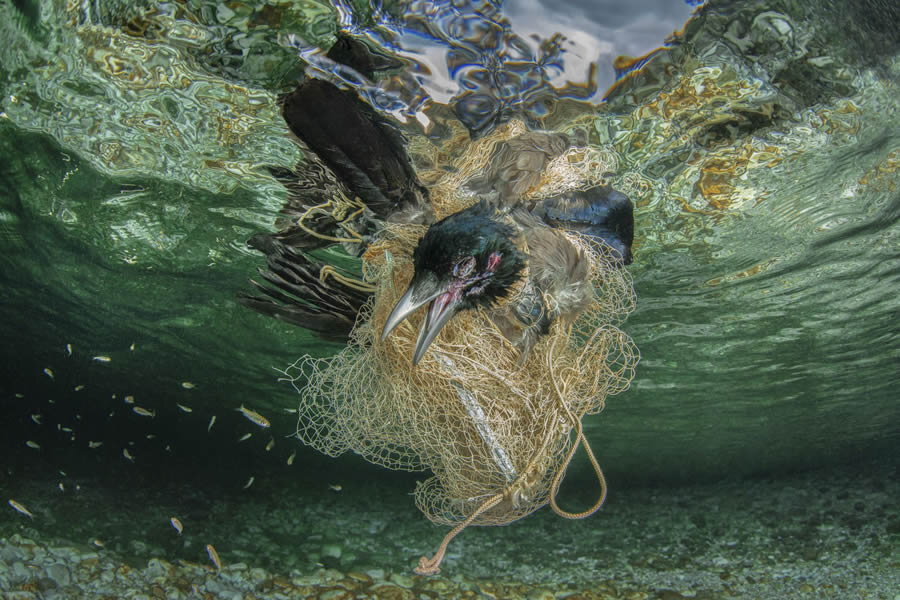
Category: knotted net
[496,432]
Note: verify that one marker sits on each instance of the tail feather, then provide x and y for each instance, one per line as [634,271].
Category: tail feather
[298,295]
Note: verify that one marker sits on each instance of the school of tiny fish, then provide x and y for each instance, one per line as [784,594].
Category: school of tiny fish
[129,451]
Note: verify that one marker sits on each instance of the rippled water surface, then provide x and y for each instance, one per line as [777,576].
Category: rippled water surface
[760,145]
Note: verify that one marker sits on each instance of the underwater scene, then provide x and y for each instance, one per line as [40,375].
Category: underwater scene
[423,299]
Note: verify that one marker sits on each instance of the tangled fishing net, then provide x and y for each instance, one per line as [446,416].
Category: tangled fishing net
[496,432]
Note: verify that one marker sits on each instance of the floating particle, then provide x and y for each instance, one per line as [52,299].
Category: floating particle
[131,347]
[127,454]
[176,523]
[64,429]
[33,445]
[249,482]
[335,487]
[129,399]
[36,418]
[68,349]
[212,421]
[20,395]
[49,372]
[140,410]
[62,488]
[93,445]
[187,385]
[113,396]
[270,445]
[151,436]
[21,508]
[254,417]
[102,358]
[184,408]
[214,557]
[291,458]
[245,437]
[79,387]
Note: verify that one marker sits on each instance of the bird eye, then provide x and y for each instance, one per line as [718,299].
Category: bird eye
[464,267]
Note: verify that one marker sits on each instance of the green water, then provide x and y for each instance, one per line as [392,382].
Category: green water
[762,153]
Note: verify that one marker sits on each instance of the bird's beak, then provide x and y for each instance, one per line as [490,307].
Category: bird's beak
[444,304]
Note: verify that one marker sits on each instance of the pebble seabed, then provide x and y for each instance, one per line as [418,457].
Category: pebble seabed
[821,534]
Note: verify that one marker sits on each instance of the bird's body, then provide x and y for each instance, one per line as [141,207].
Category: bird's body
[472,259]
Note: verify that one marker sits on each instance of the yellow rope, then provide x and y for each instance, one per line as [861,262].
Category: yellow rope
[351,282]
[579,438]
[431,566]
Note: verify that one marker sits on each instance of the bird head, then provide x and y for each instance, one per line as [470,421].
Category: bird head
[464,261]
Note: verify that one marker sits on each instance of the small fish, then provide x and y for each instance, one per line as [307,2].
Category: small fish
[249,482]
[33,445]
[187,385]
[245,437]
[270,445]
[49,372]
[127,454]
[176,524]
[113,396]
[214,557]
[20,395]
[151,436]
[140,410]
[291,411]
[131,347]
[291,458]
[21,508]
[68,349]
[98,543]
[212,421]
[93,445]
[184,408]
[336,487]
[65,429]
[36,418]
[129,399]
[62,488]
[102,358]
[254,417]
[79,387]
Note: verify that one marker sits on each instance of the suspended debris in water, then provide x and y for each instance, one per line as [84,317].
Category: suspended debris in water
[33,445]
[93,445]
[36,418]
[254,416]
[49,372]
[291,458]
[20,395]
[79,387]
[151,436]
[245,437]
[127,454]
[102,358]
[176,524]
[212,421]
[249,482]
[131,347]
[140,410]
[187,385]
[184,408]
[19,507]
[214,557]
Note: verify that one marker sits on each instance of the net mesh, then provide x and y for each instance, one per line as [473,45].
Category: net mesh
[497,432]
